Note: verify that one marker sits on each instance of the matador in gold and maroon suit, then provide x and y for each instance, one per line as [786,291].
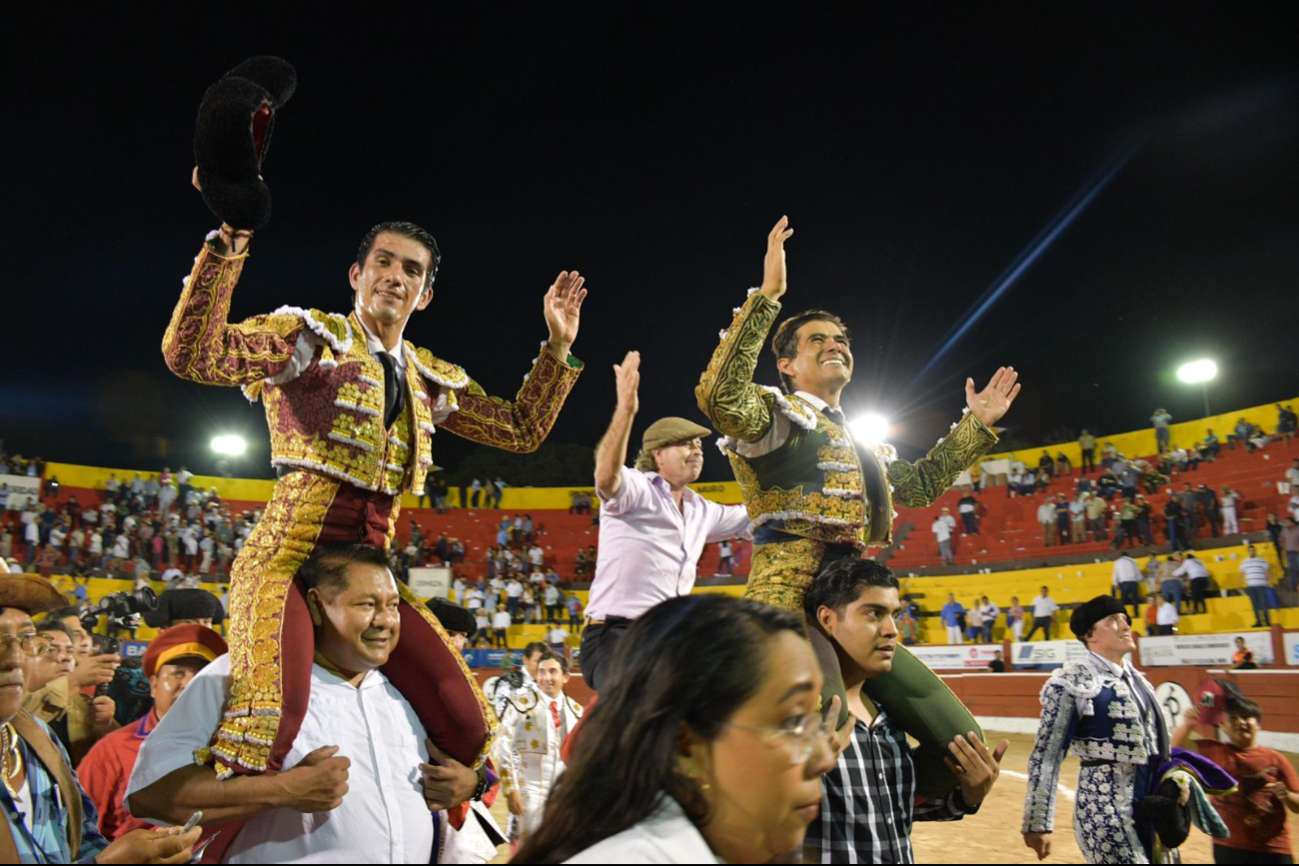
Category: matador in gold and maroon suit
[342,473]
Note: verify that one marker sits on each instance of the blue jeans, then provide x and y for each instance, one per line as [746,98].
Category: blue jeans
[1171,590]
[1130,593]
[1292,569]
[1258,598]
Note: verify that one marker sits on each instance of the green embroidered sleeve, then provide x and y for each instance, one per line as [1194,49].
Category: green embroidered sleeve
[918,484]
[726,393]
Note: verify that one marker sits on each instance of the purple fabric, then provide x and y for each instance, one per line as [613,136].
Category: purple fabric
[1210,775]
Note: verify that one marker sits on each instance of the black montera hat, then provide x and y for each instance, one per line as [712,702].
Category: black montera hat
[1087,615]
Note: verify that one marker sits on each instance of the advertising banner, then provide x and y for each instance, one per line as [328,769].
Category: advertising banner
[1203,649]
[1046,652]
[956,658]
[431,582]
[22,489]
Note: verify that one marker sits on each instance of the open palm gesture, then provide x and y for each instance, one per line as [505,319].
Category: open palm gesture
[563,305]
[990,404]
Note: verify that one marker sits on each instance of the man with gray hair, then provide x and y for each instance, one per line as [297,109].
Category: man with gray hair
[653,527]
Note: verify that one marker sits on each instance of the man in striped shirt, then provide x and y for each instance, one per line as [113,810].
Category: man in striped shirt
[1255,573]
[869,802]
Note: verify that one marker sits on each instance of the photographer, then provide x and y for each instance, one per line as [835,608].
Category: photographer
[62,702]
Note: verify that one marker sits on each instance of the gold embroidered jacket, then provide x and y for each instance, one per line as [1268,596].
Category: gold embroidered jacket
[330,417]
[817,484]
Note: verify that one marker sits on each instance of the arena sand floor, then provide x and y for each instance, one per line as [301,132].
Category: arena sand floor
[992,836]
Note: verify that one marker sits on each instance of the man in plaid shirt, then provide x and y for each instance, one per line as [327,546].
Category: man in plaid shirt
[870,795]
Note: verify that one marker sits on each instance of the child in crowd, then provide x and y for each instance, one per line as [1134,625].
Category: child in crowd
[1268,786]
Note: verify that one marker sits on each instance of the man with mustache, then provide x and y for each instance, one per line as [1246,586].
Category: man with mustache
[813,495]
[352,408]
[48,817]
[869,802]
[653,527]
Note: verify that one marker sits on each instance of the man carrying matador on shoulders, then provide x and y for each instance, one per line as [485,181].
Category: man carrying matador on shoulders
[352,408]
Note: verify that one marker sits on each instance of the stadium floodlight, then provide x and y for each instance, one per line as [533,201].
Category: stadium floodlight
[870,429]
[1197,372]
[230,445]
[1201,373]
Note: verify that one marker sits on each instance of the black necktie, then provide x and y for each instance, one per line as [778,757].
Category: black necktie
[835,415]
[392,390]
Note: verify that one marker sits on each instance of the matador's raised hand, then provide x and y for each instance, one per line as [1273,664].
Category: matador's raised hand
[563,307]
[773,267]
[564,312]
[990,404]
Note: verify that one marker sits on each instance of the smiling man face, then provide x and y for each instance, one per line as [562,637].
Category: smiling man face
[354,606]
[393,281]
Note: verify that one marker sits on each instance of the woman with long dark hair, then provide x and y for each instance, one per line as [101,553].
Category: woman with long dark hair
[708,747]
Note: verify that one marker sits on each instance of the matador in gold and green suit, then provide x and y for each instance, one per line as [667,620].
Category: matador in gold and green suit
[813,495]
[343,467]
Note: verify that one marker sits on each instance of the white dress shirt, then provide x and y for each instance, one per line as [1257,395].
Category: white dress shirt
[383,817]
[1044,607]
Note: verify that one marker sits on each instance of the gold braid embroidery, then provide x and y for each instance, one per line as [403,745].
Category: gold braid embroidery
[259,586]
[520,426]
[919,484]
[199,345]
[782,572]
[726,392]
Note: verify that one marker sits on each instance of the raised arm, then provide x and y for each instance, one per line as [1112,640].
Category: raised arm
[523,424]
[611,453]
[726,392]
[919,484]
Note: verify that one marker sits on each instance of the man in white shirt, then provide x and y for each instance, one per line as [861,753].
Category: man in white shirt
[653,527]
[1194,571]
[1166,616]
[358,784]
[943,534]
[1044,608]
[554,607]
[474,598]
[1127,578]
[1255,578]
[989,612]
[513,592]
[537,556]
[501,622]
[1046,517]
[527,753]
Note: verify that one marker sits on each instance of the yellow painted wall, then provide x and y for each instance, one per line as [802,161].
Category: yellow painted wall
[1142,442]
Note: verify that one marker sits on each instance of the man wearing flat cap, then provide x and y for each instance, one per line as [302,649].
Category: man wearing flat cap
[47,815]
[172,660]
[1103,711]
[653,527]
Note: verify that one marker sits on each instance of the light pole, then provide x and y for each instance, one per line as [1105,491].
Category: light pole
[1200,372]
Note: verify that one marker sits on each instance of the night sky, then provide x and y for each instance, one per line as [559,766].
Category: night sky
[918,151]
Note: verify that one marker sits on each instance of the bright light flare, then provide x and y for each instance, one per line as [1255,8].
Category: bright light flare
[1196,372]
[870,429]
[230,445]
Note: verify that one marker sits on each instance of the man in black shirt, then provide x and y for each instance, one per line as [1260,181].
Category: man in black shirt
[869,801]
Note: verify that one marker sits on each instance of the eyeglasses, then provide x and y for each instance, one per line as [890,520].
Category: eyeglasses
[798,739]
[30,642]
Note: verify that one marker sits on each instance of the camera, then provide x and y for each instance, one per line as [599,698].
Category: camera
[129,688]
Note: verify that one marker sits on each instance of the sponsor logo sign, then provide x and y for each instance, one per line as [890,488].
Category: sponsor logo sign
[1046,652]
[1203,649]
[956,658]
